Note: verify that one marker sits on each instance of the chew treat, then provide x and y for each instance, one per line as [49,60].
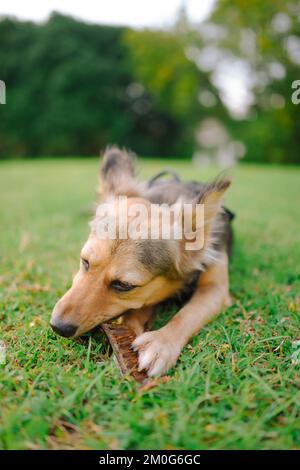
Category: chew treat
[121,337]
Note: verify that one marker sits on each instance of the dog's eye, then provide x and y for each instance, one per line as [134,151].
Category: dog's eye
[85,264]
[121,286]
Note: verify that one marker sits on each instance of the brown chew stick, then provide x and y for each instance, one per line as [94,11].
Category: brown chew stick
[121,338]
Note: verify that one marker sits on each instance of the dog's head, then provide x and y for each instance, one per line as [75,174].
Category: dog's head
[121,273]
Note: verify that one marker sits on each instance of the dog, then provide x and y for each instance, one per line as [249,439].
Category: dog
[130,277]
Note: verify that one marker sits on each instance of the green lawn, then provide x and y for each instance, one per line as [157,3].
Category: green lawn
[237,384]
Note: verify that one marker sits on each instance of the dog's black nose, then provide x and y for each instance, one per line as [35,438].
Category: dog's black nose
[63,329]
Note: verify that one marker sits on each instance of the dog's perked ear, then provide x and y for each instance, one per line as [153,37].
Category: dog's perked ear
[117,174]
[202,242]
[202,214]
[212,197]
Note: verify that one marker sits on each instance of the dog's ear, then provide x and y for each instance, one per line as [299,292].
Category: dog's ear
[117,174]
[202,212]
[198,223]
[212,197]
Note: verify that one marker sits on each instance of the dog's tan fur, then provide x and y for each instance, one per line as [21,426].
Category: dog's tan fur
[91,300]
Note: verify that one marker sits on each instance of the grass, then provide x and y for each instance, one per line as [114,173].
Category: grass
[237,384]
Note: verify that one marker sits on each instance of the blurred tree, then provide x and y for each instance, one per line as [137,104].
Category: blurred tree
[71,90]
[78,76]
[65,87]
[162,66]
[169,79]
[265,36]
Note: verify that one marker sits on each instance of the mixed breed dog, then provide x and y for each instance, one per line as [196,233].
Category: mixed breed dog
[128,275]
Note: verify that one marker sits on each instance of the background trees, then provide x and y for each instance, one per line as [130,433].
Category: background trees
[72,87]
[265,37]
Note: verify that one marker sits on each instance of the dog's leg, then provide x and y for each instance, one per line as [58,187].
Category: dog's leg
[138,319]
[159,350]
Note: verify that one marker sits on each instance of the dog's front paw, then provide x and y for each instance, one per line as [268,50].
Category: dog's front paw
[156,352]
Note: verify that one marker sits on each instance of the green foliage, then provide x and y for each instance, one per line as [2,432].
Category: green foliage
[73,88]
[65,86]
[236,384]
[159,61]
[271,133]
[68,92]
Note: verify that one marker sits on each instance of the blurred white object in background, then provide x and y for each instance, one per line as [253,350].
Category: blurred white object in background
[215,145]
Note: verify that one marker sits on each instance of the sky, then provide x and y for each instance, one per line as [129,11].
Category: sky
[137,13]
